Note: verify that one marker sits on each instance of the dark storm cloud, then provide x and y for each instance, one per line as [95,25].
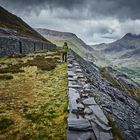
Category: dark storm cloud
[95,21]
[35,4]
[96,8]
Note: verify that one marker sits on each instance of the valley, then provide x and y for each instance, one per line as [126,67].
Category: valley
[122,55]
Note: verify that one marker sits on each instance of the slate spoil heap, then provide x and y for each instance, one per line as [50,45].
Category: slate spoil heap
[121,108]
[86,120]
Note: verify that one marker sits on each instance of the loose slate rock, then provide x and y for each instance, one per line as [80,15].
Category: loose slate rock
[79,135]
[69,65]
[71,74]
[79,124]
[71,79]
[73,96]
[99,114]
[73,86]
[89,101]
[101,135]
[88,111]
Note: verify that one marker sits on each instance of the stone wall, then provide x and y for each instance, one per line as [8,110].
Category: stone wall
[14,45]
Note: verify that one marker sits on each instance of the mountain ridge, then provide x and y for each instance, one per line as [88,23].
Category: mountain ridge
[58,37]
[11,24]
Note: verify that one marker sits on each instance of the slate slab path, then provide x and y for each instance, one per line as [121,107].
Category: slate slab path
[86,120]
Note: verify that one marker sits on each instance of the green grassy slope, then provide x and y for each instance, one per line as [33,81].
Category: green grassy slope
[33,100]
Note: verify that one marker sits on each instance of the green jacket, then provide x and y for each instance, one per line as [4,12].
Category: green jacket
[65,48]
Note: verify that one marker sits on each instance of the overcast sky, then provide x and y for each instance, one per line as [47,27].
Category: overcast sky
[95,21]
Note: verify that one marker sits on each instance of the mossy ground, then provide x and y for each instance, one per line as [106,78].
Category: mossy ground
[34,102]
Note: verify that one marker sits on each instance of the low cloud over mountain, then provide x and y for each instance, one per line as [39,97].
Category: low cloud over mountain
[95,21]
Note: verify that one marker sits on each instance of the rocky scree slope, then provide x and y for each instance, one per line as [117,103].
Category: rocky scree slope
[123,109]
[12,25]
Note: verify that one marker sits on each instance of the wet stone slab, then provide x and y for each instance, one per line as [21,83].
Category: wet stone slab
[72,84]
[71,74]
[89,101]
[80,135]
[70,65]
[101,135]
[79,124]
[71,79]
[73,95]
[78,70]
[99,114]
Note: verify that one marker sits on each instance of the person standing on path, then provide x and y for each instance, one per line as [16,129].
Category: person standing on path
[64,51]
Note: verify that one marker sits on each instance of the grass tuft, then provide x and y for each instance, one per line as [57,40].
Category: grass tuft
[6,77]
[115,130]
[11,69]
[45,64]
[5,123]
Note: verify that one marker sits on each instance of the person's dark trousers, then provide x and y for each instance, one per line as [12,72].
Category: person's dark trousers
[64,56]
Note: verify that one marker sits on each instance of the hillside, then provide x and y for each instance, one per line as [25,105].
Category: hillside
[29,87]
[11,25]
[127,48]
[59,38]
[123,54]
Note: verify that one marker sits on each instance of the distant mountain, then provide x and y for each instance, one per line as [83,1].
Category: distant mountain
[59,38]
[123,54]
[128,47]
[11,25]
[129,42]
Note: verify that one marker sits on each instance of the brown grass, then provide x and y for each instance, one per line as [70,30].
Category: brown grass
[6,77]
[11,69]
[42,63]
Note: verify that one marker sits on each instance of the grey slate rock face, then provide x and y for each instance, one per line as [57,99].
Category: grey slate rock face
[122,108]
[71,79]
